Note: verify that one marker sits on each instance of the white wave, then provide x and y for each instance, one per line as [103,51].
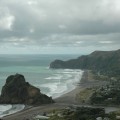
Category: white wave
[51,86]
[59,91]
[4,108]
[47,67]
[54,77]
[66,76]
[64,82]
[10,109]
[60,82]
[68,72]
[68,69]
[55,88]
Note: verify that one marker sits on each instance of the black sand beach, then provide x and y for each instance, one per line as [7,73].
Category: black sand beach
[61,102]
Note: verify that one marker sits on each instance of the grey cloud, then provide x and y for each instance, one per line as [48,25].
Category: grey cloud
[62,22]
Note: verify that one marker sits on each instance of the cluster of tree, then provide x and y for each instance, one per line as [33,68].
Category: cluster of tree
[108,94]
[80,113]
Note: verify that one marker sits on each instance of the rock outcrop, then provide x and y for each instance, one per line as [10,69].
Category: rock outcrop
[17,91]
[107,62]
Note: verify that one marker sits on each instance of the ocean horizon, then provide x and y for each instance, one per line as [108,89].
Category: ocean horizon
[35,68]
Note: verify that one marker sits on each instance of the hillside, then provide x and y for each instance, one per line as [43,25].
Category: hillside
[104,62]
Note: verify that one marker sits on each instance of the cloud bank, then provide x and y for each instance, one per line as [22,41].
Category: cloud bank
[59,26]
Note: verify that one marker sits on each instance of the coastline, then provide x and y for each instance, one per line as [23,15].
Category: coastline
[60,102]
[86,81]
[32,111]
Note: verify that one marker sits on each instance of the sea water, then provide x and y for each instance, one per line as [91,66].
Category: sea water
[35,68]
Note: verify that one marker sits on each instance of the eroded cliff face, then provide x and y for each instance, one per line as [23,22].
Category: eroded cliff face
[17,91]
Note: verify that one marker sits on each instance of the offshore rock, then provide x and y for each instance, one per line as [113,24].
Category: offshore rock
[17,91]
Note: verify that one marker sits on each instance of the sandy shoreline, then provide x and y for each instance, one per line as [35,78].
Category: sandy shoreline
[61,102]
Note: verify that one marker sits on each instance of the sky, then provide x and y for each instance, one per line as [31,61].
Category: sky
[59,26]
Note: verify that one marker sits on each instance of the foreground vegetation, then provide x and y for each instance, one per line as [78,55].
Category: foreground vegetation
[108,94]
[81,113]
[105,94]
[78,113]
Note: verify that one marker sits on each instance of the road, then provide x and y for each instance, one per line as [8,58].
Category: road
[33,111]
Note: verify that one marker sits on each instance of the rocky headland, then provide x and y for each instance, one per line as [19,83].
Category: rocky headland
[102,62]
[17,91]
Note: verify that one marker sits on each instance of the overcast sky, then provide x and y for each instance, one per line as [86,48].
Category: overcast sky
[59,26]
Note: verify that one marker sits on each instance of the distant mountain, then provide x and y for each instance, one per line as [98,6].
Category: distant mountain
[105,62]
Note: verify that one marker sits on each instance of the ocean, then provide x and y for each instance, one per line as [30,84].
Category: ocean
[35,68]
